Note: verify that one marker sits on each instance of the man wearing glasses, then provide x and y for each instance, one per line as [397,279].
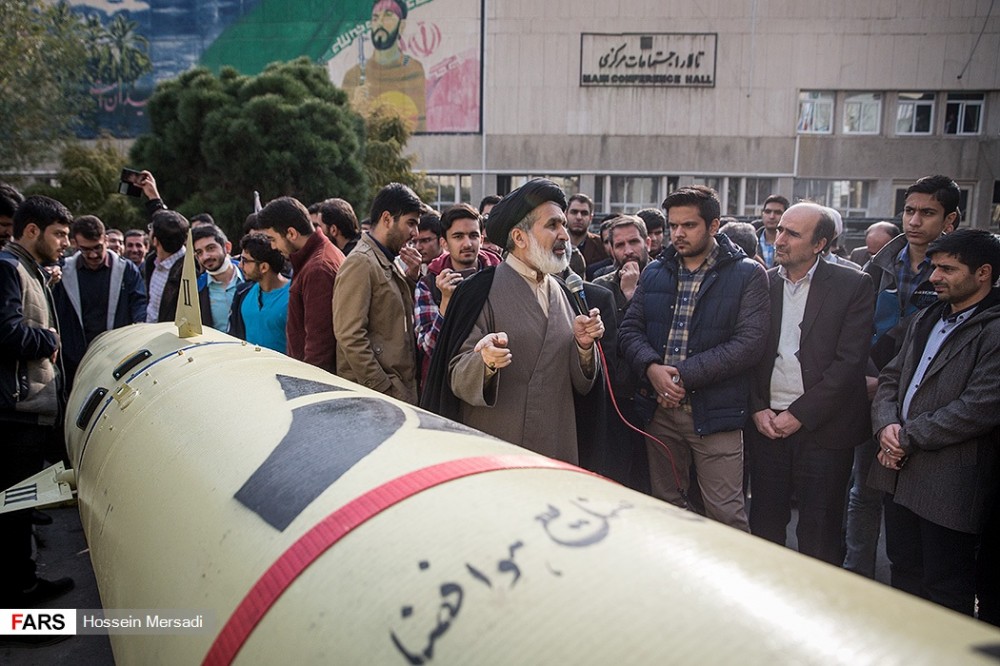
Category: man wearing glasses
[99,291]
[260,308]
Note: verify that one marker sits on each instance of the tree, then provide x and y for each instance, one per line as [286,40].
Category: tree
[88,185]
[216,139]
[387,134]
[43,67]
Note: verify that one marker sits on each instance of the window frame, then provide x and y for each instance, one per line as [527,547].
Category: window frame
[822,99]
[853,98]
[915,103]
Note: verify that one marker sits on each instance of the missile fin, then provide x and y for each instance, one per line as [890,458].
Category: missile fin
[50,487]
[188,315]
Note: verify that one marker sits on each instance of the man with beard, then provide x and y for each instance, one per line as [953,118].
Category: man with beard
[629,249]
[512,373]
[579,213]
[32,398]
[260,307]
[217,285]
[774,207]
[655,221]
[373,320]
[696,326]
[10,199]
[390,76]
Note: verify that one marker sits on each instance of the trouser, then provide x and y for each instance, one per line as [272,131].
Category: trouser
[864,514]
[929,560]
[988,568]
[20,457]
[816,477]
[717,460]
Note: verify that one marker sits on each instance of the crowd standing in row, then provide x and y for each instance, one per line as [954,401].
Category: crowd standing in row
[765,370]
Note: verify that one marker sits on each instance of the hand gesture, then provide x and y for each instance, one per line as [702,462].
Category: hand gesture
[493,349]
[588,328]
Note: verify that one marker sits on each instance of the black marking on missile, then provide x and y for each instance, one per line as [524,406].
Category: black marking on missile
[129,363]
[22,494]
[325,440]
[90,406]
[430,421]
[989,650]
[296,387]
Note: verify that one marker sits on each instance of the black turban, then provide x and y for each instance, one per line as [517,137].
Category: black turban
[515,206]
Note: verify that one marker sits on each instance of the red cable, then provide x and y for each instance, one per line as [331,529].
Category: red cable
[321,537]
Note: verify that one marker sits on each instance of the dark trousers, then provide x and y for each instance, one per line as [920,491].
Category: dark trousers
[988,563]
[817,478]
[929,560]
[20,457]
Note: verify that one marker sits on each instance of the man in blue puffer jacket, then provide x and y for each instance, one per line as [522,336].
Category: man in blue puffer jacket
[696,327]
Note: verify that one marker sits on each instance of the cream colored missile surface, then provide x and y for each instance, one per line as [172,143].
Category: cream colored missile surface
[208,459]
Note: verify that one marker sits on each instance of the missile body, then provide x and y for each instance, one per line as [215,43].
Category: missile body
[320,522]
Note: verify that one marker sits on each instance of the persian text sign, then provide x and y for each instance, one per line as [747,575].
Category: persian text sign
[637,59]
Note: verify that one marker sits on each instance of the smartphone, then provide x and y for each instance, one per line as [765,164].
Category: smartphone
[129,184]
[468,272]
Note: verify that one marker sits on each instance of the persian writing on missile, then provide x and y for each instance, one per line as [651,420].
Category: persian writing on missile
[573,524]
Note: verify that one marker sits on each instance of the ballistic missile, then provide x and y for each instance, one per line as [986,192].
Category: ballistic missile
[320,522]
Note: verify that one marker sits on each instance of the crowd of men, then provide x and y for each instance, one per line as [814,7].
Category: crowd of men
[767,372]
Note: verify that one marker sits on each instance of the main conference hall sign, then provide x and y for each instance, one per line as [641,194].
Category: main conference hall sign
[648,60]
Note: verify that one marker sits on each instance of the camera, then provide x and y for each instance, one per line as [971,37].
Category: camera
[129,184]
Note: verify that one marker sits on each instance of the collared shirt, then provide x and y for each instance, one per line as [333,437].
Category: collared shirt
[157,281]
[220,298]
[786,376]
[540,288]
[906,280]
[941,331]
[765,249]
[427,319]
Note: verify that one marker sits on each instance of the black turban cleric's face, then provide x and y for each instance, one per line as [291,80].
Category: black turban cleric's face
[385,29]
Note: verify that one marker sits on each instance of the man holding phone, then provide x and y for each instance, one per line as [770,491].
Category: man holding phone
[460,226]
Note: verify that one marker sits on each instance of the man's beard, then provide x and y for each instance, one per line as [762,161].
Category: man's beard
[544,260]
[383,40]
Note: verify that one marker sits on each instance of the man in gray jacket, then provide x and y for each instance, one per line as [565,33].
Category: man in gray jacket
[937,418]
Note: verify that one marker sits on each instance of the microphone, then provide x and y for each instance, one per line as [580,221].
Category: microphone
[575,285]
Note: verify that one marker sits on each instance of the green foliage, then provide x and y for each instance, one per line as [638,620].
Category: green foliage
[217,139]
[385,162]
[43,60]
[88,185]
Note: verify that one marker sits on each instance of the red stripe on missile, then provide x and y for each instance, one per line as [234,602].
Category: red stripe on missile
[338,524]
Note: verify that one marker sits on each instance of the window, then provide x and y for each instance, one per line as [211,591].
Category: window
[507,184]
[815,112]
[627,194]
[964,113]
[849,197]
[448,190]
[756,191]
[915,113]
[862,112]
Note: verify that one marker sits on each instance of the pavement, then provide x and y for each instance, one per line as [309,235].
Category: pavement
[62,551]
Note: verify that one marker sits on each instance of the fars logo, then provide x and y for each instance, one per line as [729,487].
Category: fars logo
[47,621]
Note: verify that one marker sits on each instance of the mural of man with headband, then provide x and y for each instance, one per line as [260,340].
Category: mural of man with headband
[390,76]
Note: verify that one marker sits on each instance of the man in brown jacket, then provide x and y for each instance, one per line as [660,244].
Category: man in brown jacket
[315,261]
[373,320]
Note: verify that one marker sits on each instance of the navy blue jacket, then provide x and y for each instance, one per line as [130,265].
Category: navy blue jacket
[727,335]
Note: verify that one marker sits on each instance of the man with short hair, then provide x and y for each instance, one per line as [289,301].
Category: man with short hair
[808,398]
[655,222]
[202,219]
[260,308]
[694,330]
[373,319]
[115,240]
[220,278]
[743,234]
[877,236]
[316,263]
[32,397]
[168,234]
[429,241]
[486,205]
[99,291]
[579,213]
[460,225]
[629,250]
[774,207]
[339,223]
[937,418]
[512,354]
[10,199]
[136,246]
[901,274]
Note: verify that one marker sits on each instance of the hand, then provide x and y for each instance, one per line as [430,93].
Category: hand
[629,278]
[588,328]
[447,281]
[148,185]
[55,274]
[411,257]
[764,420]
[666,380]
[871,383]
[493,349]
[785,424]
[890,453]
[55,354]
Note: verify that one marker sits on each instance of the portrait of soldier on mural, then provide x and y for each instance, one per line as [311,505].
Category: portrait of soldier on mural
[390,76]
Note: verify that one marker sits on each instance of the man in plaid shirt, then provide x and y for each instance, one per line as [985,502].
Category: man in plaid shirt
[696,327]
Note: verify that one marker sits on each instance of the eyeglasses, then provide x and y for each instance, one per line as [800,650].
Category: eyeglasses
[91,251]
[247,260]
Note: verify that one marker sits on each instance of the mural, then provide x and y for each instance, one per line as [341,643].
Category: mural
[421,57]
